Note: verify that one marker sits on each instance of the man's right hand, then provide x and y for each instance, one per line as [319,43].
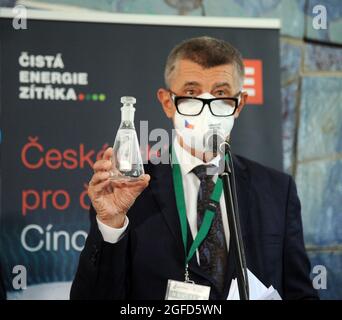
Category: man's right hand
[112,199]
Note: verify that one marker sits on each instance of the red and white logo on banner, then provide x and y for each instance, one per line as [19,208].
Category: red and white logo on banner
[253,81]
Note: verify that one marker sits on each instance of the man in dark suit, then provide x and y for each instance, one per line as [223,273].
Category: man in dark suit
[138,239]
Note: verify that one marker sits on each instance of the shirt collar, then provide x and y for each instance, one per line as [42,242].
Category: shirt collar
[187,161]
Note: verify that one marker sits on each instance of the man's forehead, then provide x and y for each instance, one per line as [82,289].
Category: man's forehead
[192,72]
[187,65]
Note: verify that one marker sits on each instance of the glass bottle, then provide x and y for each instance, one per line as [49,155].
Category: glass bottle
[126,159]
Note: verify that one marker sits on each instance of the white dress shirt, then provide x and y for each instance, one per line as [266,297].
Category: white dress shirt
[191,186]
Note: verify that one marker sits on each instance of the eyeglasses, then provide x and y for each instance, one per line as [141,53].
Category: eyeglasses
[219,107]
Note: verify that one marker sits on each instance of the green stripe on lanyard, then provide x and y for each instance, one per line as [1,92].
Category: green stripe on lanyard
[180,201]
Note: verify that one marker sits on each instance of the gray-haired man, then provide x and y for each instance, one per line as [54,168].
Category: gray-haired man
[142,233]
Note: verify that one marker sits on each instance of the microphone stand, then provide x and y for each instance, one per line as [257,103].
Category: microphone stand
[230,196]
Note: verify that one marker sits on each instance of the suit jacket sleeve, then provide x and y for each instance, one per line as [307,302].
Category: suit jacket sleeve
[102,269]
[297,283]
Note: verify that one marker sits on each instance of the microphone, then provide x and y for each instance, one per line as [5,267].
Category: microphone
[215,142]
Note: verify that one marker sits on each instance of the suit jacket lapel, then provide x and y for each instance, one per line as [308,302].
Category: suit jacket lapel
[163,189]
[161,185]
[243,192]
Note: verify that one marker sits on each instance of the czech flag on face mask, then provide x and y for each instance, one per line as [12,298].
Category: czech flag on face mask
[188,125]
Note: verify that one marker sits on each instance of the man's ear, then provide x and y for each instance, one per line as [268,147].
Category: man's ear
[166,102]
[243,101]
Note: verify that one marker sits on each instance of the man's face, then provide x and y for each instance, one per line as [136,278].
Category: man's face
[190,79]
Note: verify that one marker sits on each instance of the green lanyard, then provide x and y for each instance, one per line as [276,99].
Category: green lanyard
[180,201]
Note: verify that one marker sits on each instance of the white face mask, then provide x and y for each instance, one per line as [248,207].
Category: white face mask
[196,129]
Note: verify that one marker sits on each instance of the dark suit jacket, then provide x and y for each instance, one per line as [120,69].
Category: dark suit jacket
[151,251]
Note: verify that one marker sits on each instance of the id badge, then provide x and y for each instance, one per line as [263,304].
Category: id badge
[178,290]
